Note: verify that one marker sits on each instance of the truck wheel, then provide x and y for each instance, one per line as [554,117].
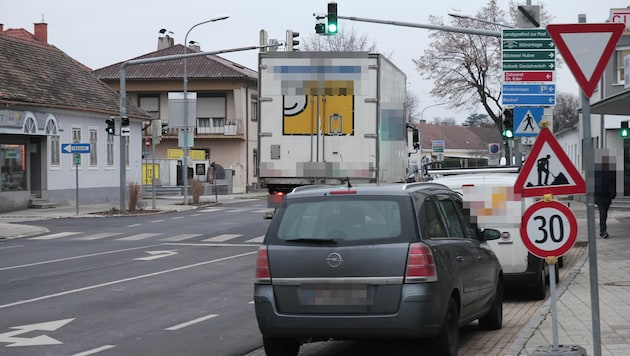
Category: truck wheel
[539,291]
[447,341]
[494,319]
[275,346]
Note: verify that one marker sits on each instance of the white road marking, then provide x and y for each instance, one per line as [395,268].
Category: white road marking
[211,244]
[6,247]
[55,236]
[177,217]
[188,323]
[156,221]
[180,237]
[156,254]
[263,211]
[74,257]
[95,351]
[258,239]
[137,237]
[211,210]
[134,225]
[222,238]
[98,236]
[13,340]
[124,280]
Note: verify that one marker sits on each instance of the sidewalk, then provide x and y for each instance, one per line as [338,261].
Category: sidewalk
[573,291]
[14,224]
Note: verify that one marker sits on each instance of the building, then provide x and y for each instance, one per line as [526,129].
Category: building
[47,102]
[224,125]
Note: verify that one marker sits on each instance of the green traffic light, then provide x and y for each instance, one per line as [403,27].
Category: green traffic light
[332,28]
[332,19]
[624,132]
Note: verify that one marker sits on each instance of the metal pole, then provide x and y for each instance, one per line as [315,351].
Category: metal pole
[123,112]
[153,134]
[186,127]
[554,306]
[76,165]
[430,27]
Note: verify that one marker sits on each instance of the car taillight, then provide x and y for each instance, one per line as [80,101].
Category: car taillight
[420,264]
[263,275]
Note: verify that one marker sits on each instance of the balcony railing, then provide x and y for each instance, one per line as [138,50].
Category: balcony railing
[232,128]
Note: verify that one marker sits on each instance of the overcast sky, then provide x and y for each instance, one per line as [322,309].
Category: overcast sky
[100,33]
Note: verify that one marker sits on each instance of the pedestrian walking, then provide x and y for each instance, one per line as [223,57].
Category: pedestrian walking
[605,190]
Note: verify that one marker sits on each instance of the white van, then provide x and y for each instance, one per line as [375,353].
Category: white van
[490,197]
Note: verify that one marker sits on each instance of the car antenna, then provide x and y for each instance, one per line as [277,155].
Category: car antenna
[348,180]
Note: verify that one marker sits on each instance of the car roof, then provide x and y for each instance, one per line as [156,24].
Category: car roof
[458,180]
[366,189]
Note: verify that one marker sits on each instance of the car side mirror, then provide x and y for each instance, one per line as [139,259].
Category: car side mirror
[490,234]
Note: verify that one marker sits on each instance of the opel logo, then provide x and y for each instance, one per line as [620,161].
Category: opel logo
[334,260]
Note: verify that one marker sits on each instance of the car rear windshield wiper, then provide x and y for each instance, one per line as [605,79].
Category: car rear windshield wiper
[311,240]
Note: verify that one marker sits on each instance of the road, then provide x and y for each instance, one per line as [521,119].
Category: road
[175,283]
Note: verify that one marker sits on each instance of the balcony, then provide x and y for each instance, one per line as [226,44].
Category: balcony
[232,128]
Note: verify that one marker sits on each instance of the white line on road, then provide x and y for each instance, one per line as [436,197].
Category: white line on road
[176,269]
[189,323]
[6,247]
[222,238]
[134,225]
[95,351]
[137,237]
[258,239]
[55,236]
[98,236]
[180,237]
[156,221]
[75,257]
[177,217]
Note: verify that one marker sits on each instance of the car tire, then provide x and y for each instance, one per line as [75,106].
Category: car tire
[539,291]
[275,346]
[494,319]
[447,341]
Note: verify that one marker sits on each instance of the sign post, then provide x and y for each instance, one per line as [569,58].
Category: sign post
[76,149]
[587,48]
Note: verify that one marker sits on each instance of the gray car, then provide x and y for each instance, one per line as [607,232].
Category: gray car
[375,261]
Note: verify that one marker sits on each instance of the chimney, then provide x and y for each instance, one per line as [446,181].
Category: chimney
[194,46]
[165,42]
[41,32]
[1,27]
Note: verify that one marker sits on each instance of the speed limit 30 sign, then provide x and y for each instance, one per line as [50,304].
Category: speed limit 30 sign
[548,229]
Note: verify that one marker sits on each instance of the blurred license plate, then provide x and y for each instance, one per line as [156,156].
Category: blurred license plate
[334,295]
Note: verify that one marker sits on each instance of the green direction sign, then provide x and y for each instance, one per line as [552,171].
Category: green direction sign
[523,33]
[529,55]
[527,65]
[528,44]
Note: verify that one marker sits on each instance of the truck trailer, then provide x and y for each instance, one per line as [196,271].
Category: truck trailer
[331,118]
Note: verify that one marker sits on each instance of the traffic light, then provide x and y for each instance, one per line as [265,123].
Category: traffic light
[320,26]
[111,126]
[292,40]
[332,28]
[508,123]
[124,121]
[624,132]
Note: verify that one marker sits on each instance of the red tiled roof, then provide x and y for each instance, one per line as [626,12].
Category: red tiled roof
[38,74]
[459,137]
[200,67]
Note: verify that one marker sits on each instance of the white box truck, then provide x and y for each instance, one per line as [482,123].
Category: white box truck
[330,118]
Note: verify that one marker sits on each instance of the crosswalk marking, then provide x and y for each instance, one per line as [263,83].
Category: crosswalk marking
[258,239]
[55,236]
[211,210]
[222,238]
[262,211]
[180,237]
[98,236]
[138,237]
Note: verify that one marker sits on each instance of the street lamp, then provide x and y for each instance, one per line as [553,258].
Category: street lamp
[455,13]
[186,127]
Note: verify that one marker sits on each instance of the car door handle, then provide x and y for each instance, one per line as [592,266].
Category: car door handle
[460,258]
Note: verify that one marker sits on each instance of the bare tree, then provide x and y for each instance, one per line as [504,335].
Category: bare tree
[565,113]
[477,120]
[343,41]
[465,68]
[411,104]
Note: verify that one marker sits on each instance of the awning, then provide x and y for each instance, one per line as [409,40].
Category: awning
[618,104]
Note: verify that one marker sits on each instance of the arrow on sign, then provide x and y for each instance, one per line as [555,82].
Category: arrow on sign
[156,254]
[14,341]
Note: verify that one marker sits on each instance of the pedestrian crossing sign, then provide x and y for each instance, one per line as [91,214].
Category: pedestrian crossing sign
[527,120]
[548,170]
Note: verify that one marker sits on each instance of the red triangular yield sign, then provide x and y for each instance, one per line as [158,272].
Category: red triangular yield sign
[548,170]
[586,47]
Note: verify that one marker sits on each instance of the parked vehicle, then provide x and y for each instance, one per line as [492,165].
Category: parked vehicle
[375,261]
[491,198]
[326,117]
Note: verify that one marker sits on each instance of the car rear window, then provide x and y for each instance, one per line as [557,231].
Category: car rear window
[343,219]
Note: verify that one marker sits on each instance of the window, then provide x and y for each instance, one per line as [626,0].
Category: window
[110,150]
[12,167]
[93,146]
[434,226]
[203,122]
[453,217]
[76,138]
[619,56]
[55,143]
[218,122]
[254,108]
[255,160]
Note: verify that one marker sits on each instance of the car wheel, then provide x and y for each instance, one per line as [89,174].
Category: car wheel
[447,341]
[494,319]
[275,346]
[539,291]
